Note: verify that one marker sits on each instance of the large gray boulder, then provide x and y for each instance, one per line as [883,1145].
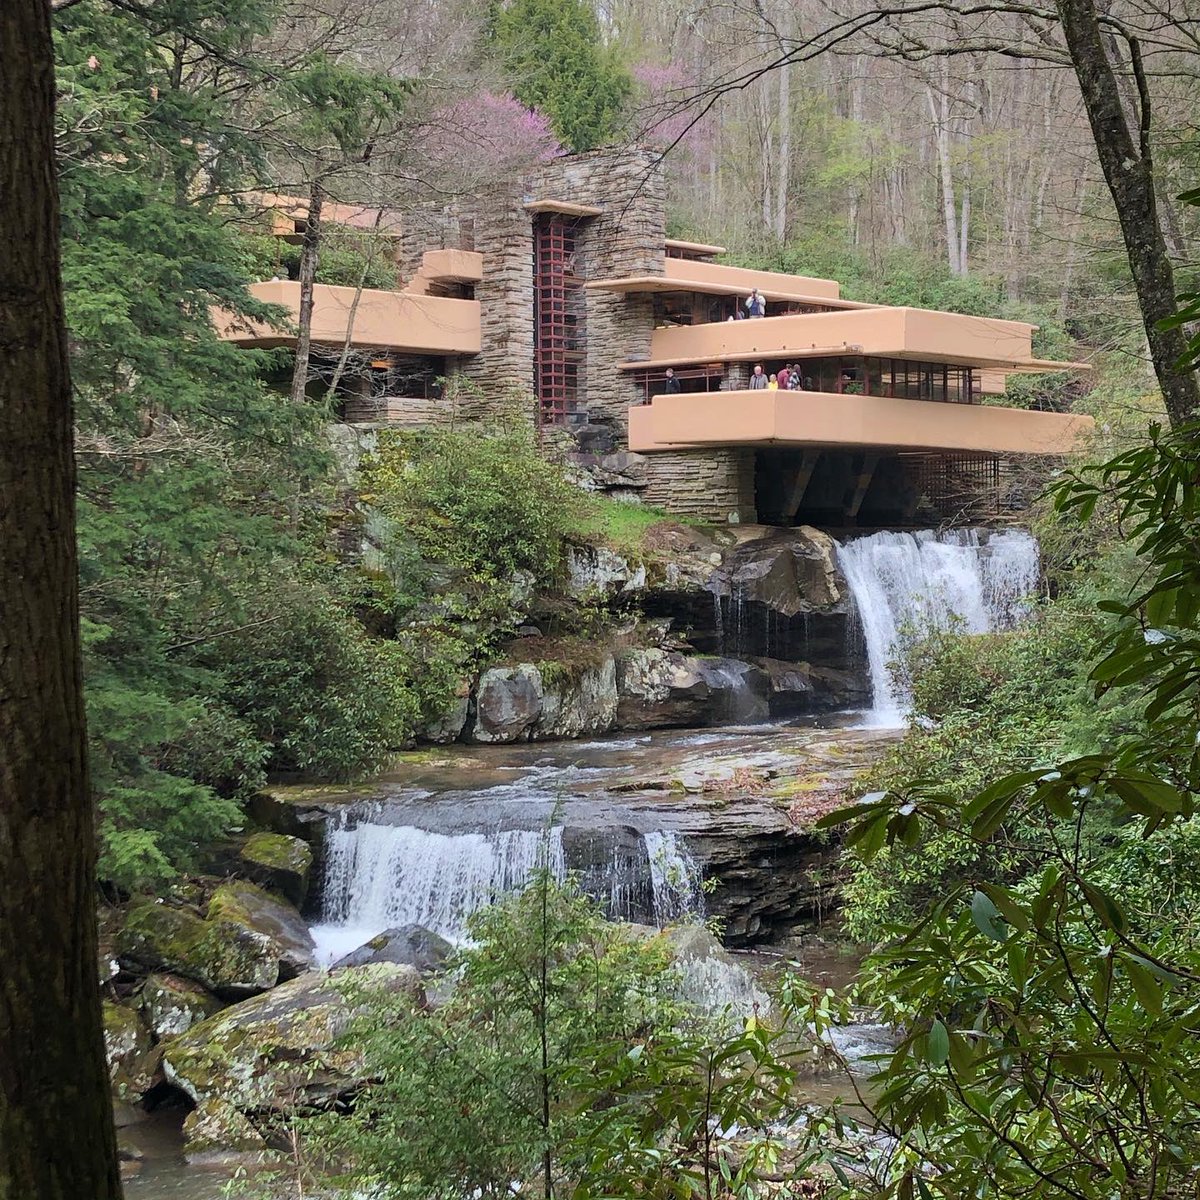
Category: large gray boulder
[280,1051]
[406,945]
[598,573]
[577,700]
[789,571]
[220,1135]
[657,689]
[226,957]
[129,1052]
[248,906]
[508,703]
[279,862]
[709,979]
[544,701]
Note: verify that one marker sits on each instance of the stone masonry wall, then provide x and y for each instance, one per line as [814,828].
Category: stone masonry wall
[504,234]
[737,377]
[717,485]
[627,239]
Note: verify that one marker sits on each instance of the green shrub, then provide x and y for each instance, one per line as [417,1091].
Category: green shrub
[488,503]
[982,705]
[327,699]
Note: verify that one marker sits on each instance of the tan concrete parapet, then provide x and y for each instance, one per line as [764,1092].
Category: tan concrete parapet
[398,321]
[772,284]
[702,248]
[912,333]
[564,208]
[455,266]
[773,418]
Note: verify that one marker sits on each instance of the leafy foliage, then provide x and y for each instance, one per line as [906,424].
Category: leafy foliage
[1047,1050]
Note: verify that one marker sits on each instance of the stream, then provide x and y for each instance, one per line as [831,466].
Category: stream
[448,828]
[643,820]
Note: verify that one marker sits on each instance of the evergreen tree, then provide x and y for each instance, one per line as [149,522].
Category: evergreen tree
[556,62]
[201,489]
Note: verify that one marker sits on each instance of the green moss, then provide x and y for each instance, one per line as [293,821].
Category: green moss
[218,954]
[279,852]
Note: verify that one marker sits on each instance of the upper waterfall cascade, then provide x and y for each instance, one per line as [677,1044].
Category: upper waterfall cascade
[910,583]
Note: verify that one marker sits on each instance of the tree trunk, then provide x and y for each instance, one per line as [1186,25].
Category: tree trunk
[1128,170]
[309,252]
[939,112]
[783,169]
[56,1132]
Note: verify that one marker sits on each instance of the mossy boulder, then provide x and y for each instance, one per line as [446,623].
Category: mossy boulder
[246,906]
[129,1051]
[228,958]
[218,1134]
[280,1051]
[171,1005]
[278,862]
[409,945]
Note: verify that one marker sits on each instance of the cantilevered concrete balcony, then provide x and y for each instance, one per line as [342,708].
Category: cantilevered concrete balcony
[398,321]
[907,333]
[716,279]
[701,420]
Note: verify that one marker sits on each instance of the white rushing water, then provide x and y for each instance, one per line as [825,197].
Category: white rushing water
[380,876]
[910,583]
[674,877]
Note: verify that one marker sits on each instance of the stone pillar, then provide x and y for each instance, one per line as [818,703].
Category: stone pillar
[737,377]
[504,235]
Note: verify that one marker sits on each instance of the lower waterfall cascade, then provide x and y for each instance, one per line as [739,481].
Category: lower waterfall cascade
[378,876]
[905,583]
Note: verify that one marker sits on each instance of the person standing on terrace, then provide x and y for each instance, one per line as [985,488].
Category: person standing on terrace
[756,304]
[672,382]
[758,379]
[784,377]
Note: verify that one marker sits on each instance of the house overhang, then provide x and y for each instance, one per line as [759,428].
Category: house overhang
[672,282]
[1000,367]
[701,248]
[915,334]
[371,319]
[563,208]
[705,420]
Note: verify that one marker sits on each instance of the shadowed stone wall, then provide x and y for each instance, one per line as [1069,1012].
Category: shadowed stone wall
[713,484]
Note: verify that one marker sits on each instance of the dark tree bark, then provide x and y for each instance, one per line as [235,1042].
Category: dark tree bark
[1129,171]
[56,1132]
[310,251]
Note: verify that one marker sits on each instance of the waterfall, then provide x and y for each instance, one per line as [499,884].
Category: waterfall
[909,583]
[674,878]
[380,876]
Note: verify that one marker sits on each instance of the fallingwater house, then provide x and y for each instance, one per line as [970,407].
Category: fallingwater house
[564,283]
